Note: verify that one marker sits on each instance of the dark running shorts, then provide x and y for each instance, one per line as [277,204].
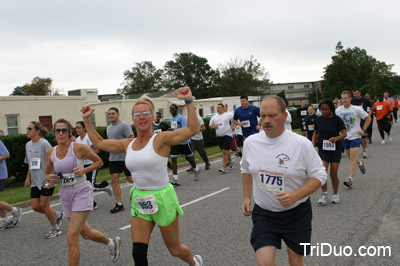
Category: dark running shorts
[117,167]
[292,226]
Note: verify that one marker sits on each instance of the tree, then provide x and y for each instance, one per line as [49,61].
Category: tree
[144,77]
[283,96]
[382,79]
[188,69]
[38,86]
[353,68]
[243,77]
[315,96]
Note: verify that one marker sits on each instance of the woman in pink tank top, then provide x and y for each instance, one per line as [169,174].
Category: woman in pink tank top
[64,165]
[143,221]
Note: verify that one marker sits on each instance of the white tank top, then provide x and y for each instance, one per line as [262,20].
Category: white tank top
[148,169]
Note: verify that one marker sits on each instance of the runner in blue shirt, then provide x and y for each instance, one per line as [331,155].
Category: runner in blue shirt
[246,117]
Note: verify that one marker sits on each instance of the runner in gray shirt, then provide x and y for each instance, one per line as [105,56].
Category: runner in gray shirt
[118,130]
[41,190]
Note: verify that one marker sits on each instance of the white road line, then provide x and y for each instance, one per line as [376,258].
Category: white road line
[188,203]
[127,185]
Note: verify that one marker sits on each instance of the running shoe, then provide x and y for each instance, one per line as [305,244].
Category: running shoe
[190,170]
[365,155]
[6,223]
[196,174]
[117,208]
[16,217]
[362,167]
[222,169]
[238,154]
[114,253]
[231,165]
[208,166]
[348,183]
[335,198]
[390,138]
[95,206]
[322,199]
[59,218]
[383,142]
[53,233]
[175,183]
[370,141]
[108,189]
[198,259]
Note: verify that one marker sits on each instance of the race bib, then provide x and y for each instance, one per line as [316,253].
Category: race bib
[271,181]
[303,113]
[157,131]
[174,124]
[379,107]
[147,205]
[310,127]
[68,180]
[368,109]
[328,146]
[246,123]
[220,124]
[34,163]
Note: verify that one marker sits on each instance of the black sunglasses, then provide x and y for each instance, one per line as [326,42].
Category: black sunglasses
[63,130]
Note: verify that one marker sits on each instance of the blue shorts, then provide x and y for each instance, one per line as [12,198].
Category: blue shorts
[349,144]
[293,226]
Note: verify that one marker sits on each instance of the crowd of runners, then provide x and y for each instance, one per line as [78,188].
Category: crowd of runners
[280,168]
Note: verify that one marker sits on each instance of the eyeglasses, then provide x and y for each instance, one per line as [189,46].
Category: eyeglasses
[145,113]
[78,127]
[63,130]
[29,128]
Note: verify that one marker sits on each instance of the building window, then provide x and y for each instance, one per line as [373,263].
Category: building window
[306,86]
[93,119]
[290,87]
[107,120]
[212,109]
[12,124]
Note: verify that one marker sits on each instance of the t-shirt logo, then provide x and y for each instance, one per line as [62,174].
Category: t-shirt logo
[282,160]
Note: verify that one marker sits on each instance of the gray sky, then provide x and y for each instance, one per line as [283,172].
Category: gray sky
[89,44]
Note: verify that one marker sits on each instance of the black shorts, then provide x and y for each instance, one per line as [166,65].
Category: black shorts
[362,122]
[45,192]
[91,176]
[117,167]
[224,142]
[292,226]
[185,150]
[330,156]
[2,184]
[239,140]
[384,124]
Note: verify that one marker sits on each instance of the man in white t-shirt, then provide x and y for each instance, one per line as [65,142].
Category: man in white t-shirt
[221,122]
[281,169]
[351,116]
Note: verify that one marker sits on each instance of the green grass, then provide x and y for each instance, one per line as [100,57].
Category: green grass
[16,192]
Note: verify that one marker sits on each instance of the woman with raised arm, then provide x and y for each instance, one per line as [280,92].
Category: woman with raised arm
[65,165]
[154,200]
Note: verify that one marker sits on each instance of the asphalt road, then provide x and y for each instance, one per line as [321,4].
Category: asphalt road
[213,225]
